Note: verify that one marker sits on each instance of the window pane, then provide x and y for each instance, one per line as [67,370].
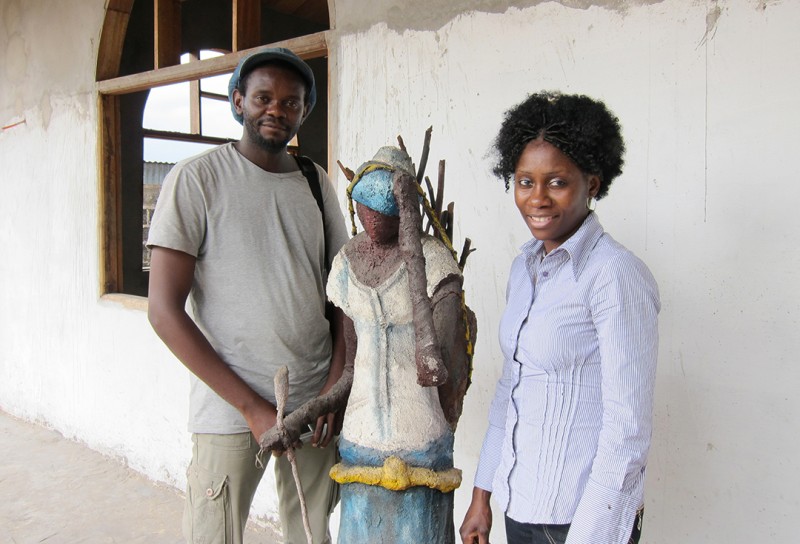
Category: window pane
[218,120]
[168,108]
[159,157]
[216,84]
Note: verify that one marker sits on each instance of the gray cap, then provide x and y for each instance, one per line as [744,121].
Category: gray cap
[281,54]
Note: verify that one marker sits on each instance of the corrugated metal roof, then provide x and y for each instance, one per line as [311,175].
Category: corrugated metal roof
[155,172]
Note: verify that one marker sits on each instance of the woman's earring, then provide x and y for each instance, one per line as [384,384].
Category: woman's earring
[591,203]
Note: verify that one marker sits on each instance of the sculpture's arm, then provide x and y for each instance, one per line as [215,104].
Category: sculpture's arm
[430,368]
[451,323]
[335,400]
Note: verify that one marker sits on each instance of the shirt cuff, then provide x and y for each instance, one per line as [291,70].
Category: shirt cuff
[603,515]
[490,458]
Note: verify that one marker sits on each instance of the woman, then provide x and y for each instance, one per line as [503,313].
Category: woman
[569,427]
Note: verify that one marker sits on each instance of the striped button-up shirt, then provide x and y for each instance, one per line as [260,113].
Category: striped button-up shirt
[570,423]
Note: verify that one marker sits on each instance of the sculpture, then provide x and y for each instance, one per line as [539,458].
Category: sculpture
[408,342]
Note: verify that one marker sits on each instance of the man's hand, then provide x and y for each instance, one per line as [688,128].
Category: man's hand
[478,519]
[260,416]
[324,431]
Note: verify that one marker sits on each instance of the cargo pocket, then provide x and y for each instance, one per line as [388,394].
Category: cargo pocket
[207,517]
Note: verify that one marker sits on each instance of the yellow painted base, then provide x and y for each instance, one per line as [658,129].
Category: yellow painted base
[397,475]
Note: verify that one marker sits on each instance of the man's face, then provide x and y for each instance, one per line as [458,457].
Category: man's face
[273,107]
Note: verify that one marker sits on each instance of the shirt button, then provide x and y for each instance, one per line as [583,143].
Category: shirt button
[209,492]
[545,273]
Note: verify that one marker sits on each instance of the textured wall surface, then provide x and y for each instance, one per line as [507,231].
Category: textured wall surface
[706,93]
[90,368]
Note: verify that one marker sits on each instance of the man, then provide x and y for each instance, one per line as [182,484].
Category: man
[238,232]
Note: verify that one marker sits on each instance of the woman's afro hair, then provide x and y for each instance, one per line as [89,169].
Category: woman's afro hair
[580,127]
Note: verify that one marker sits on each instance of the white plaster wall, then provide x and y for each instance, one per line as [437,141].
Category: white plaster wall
[706,94]
[91,368]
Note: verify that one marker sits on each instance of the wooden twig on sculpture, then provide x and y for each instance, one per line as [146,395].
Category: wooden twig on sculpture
[431,198]
[423,161]
[465,251]
[281,394]
[439,191]
[349,174]
[448,227]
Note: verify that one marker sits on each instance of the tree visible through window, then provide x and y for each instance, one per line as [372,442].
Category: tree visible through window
[162,73]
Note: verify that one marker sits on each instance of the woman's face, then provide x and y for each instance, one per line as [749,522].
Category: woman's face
[551,193]
[381,229]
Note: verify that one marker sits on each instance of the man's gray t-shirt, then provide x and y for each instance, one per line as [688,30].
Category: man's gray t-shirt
[258,293]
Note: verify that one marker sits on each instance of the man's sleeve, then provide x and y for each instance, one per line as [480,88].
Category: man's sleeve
[179,220]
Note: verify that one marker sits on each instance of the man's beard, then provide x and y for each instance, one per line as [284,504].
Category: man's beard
[270,145]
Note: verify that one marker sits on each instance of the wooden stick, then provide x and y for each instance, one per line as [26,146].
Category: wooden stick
[431,193]
[423,161]
[431,198]
[281,394]
[440,190]
[349,174]
[465,251]
[443,219]
[448,228]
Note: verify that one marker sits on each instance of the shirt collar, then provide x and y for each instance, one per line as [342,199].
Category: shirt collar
[577,247]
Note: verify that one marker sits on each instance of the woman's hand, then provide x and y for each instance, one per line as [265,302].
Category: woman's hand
[478,519]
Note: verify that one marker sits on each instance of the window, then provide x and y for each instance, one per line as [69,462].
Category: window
[162,73]
[181,120]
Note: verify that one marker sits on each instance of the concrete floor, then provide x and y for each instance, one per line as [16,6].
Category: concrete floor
[56,491]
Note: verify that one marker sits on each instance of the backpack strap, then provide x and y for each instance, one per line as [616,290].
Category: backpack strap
[312,176]
[309,171]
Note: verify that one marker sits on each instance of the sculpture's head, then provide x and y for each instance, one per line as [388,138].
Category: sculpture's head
[371,189]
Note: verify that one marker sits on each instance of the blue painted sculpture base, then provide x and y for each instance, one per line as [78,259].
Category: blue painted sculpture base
[376,515]
[438,455]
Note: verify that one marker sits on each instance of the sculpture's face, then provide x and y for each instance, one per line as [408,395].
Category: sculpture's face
[381,229]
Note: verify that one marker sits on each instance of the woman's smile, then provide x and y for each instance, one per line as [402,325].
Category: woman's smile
[551,193]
